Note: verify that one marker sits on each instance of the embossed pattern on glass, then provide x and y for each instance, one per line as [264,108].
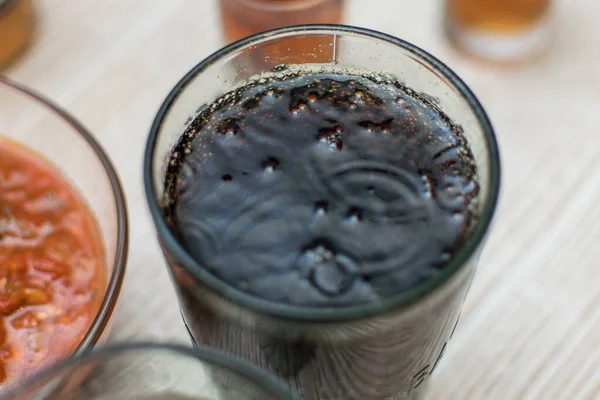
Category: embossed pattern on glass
[242,18]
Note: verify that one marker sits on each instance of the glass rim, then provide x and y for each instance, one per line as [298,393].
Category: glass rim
[253,373]
[115,281]
[324,314]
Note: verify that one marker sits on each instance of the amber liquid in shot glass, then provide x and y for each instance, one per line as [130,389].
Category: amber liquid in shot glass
[502,30]
[242,18]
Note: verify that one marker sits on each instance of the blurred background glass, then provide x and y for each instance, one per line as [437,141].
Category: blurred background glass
[152,372]
[16,28]
[503,30]
[243,18]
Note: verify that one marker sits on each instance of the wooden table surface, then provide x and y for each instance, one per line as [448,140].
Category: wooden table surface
[530,328]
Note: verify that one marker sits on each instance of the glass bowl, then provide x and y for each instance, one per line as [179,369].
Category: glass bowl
[152,372]
[30,119]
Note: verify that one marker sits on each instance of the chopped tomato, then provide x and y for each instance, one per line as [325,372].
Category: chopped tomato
[52,274]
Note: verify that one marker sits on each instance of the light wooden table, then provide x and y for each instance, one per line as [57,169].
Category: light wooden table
[531,324]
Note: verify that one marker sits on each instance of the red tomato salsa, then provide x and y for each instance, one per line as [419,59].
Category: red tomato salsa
[52,275]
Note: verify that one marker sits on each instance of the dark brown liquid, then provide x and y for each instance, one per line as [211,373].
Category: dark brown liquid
[322,189]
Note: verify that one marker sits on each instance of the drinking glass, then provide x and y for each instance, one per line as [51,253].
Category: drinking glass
[499,30]
[376,351]
[148,371]
[242,18]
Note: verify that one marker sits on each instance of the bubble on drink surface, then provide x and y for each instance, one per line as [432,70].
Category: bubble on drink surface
[270,164]
[299,108]
[332,137]
[372,126]
[445,257]
[228,127]
[329,273]
[251,103]
[400,100]
[185,177]
[355,214]
[428,184]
